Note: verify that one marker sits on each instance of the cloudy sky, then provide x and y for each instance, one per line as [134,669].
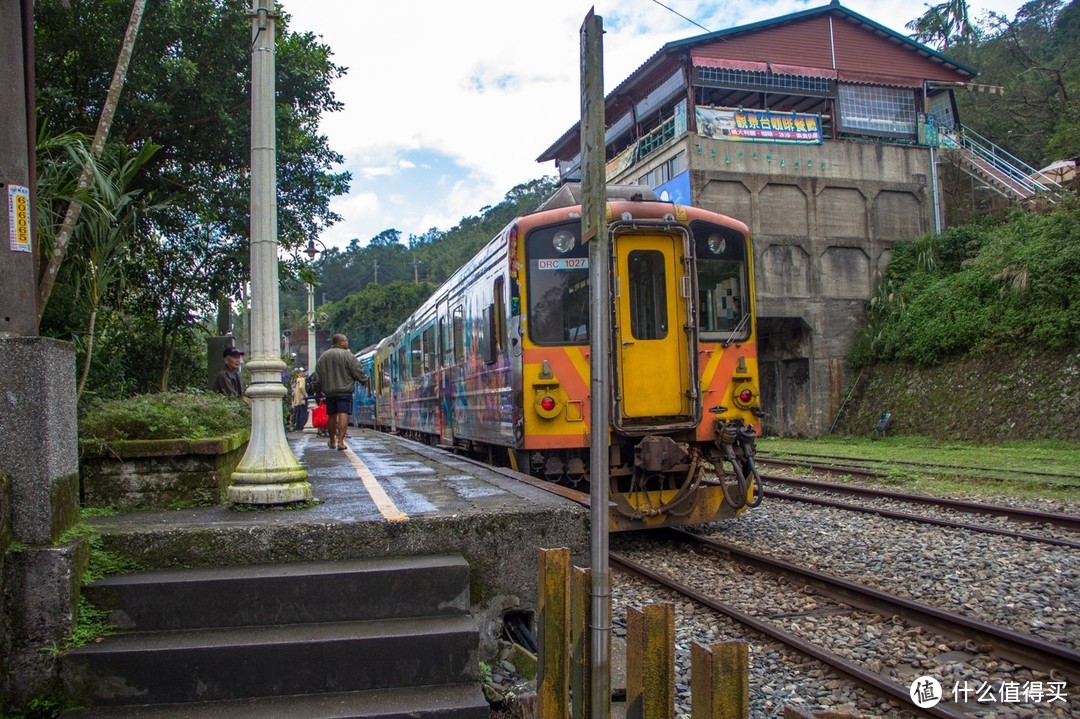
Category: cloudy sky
[448,104]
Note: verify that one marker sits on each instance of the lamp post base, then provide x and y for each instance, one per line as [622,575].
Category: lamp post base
[274,490]
[269,472]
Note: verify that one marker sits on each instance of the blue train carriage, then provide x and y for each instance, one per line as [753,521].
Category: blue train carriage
[364,396]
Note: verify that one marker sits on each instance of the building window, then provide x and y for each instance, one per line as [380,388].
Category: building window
[877,110]
[941,107]
[664,171]
[730,77]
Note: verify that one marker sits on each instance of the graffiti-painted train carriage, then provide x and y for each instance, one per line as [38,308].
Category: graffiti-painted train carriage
[496,362]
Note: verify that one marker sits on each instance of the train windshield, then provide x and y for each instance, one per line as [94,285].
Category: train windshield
[723,303]
[558,285]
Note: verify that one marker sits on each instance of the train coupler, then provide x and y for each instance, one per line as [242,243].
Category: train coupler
[735,442]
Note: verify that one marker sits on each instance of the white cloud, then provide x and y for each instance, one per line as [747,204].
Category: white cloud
[475,92]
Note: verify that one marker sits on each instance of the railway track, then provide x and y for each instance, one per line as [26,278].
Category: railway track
[975,649]
[801,460]
[981,638]
[1049,479]
[1014,514]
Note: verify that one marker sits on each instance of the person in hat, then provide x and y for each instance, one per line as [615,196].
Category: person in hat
[228,380]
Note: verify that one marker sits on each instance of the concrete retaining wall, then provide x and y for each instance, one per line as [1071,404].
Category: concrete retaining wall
[159,473]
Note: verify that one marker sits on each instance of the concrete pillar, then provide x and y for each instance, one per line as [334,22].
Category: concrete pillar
[39,456]
[38,436]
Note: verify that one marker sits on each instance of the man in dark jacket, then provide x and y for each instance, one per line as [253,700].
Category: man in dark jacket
[336,372]
[228,380]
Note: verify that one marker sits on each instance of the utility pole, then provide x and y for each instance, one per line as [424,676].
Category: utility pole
[376,271]
[594,231]
[18,286]
[415,271]
[269,472]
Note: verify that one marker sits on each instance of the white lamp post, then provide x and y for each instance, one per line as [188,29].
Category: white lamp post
[269,473]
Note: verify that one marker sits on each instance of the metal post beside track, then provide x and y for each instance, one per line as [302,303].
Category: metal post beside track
[594,231]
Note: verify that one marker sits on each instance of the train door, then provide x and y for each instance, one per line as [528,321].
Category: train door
[654,336]
[446,376]
[395,376]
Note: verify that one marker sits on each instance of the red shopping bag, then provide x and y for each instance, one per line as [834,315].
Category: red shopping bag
[318,416]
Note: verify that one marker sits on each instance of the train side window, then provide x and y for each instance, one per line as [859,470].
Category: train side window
[487,334]
[648,295]
[499,318]
[446,341]
[459,334]
[415,361]
[401,371]
[429,349]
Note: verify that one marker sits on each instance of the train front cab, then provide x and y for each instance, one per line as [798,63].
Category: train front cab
[683,361]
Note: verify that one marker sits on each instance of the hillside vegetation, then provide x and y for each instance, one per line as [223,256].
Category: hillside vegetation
[973,333]
[369,290]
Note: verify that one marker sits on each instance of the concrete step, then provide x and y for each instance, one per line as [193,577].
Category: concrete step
[285,593]
[234,663]
[453,701]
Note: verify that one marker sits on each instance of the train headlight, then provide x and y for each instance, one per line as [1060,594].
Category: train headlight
[547,406]
[717,244]
[563,241]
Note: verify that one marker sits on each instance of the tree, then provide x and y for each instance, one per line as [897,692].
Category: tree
[1033,57]
[944,25]
[187,91]
[52,261]
[104,239]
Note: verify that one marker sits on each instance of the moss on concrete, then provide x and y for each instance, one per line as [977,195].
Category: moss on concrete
[1031,395]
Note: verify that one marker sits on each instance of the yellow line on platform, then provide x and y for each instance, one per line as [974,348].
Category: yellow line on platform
[382,500]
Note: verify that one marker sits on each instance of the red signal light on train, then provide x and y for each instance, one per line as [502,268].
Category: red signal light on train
[745,396]
[547,403]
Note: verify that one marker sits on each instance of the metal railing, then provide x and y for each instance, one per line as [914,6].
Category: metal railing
[1020,178]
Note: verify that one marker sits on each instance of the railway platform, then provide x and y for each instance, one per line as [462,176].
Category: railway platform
[383,497]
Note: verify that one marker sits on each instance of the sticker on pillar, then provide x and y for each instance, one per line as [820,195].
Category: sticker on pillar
[19,218]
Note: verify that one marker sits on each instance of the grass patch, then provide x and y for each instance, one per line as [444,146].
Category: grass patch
[950,462]
[91,622]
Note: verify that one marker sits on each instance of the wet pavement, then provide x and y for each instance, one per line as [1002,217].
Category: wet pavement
[379,478]
[383,497]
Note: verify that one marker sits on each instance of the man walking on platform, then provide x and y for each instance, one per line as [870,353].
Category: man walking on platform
[336,371]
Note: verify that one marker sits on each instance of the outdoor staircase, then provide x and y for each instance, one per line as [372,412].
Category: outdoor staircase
[389,638]
[998,170]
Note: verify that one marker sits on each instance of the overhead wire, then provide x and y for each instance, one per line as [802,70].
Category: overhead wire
[689,20]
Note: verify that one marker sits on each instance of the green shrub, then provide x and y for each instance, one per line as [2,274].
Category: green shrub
[978,288]
[166,415]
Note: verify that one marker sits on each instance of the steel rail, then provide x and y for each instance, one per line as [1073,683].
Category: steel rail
[1018,647]
[919,518]
[1067,521]
[861,675]
[764,457]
